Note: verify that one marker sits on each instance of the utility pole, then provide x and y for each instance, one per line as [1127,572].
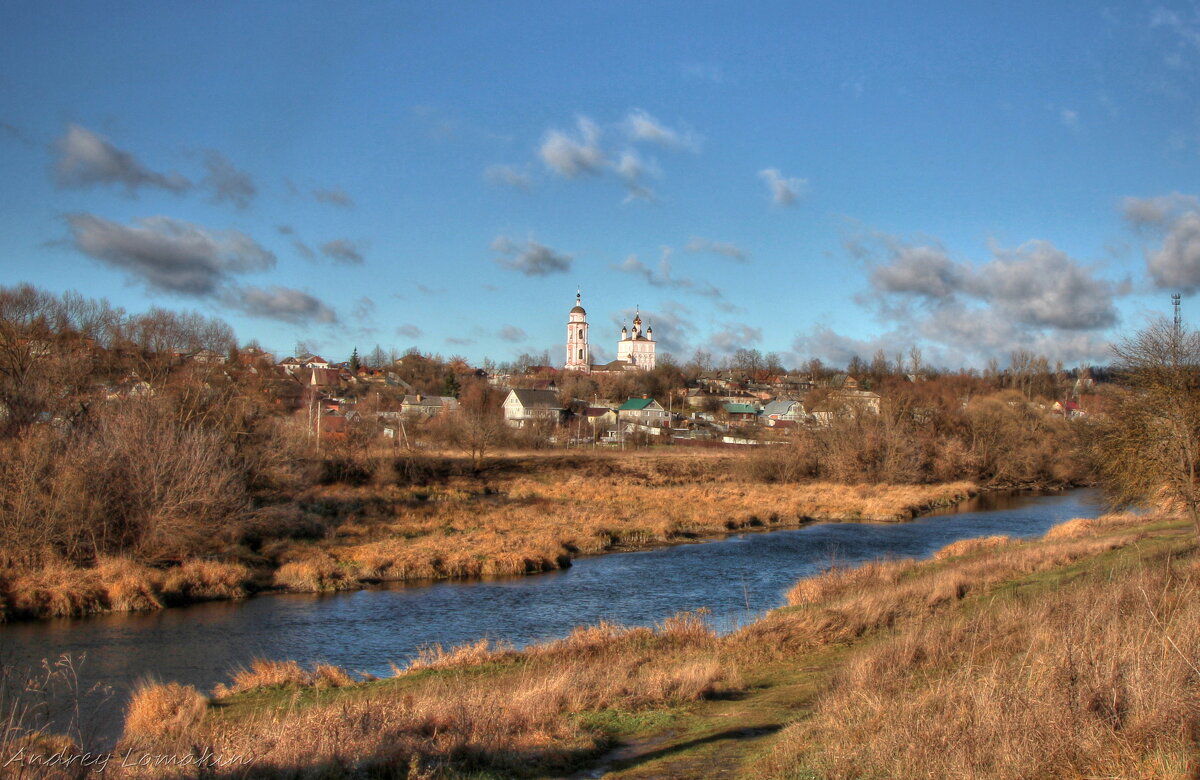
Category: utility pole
[1177,333]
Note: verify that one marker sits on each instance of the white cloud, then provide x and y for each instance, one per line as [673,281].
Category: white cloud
[1040,285]
[1175,218]
[574,156]
[641,126]
[784,191]
[530,257]
[663,278]
[512,333]
[169,254]
[280,303]
[1034,297]
[304,249]
[87,158]
[342,250]
[734,336]
[227,182]
[924,271]
[632,169]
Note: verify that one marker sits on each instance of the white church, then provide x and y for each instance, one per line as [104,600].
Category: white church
[635,350]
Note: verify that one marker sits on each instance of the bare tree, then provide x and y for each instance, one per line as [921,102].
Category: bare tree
[1149,447]
[479,424]
[45,358]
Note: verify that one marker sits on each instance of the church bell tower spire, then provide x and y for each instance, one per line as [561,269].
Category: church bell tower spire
[579,356]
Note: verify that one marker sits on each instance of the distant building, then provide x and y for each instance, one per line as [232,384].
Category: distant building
[428,405]
[645,411]
[523,406]
[579,355]
[740,414]
[635,349]
[783,411]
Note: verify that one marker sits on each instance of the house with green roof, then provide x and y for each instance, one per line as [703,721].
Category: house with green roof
[740,414]
[643,411]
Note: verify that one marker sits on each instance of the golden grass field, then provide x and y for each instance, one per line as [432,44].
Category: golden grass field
[529,513]
[1071,656]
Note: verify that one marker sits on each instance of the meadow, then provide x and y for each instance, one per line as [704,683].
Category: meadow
[527,513]
[1073,655]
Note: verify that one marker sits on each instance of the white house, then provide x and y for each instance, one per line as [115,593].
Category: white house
[783,411]
[523,406]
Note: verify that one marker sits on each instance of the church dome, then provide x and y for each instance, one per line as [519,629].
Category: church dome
[578,310]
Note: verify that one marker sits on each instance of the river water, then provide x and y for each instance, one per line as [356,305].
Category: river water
[737,578]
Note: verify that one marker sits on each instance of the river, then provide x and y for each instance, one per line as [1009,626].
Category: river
[737,578]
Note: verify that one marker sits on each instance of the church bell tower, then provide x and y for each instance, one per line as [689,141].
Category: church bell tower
[579,356]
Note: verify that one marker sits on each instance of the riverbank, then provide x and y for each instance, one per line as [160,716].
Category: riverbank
[1072,655]
[524,514]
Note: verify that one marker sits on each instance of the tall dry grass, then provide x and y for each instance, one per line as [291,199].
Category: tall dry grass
[268,673]
[1100,678]
[844,604]
[535,514]
[115,584]
[163,710]
[1097,678]
[444,713]
[538,523]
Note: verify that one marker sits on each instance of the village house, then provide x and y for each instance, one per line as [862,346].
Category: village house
[643,411]
[315,361]
[291,364]
[601,418]
[317,377]
[1068,409]
[740,414]
[427,405]
[526,406]
[783,412]
[858,400]
[205,357]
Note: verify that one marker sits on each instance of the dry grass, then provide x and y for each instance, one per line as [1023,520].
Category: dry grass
[1100,678]
[314,575]
[470,654]
[843,604]
[971,546]
[158,710]
[206,580]
[539,520]
[1097,677]
[266,673]
[519,714]
[1082,527]
[535,514]
[117,584]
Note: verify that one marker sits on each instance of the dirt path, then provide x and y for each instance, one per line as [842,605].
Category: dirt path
[719,738]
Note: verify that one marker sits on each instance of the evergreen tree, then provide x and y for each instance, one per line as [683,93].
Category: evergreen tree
[354,362]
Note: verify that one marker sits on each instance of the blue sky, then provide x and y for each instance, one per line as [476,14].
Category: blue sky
[811,179]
